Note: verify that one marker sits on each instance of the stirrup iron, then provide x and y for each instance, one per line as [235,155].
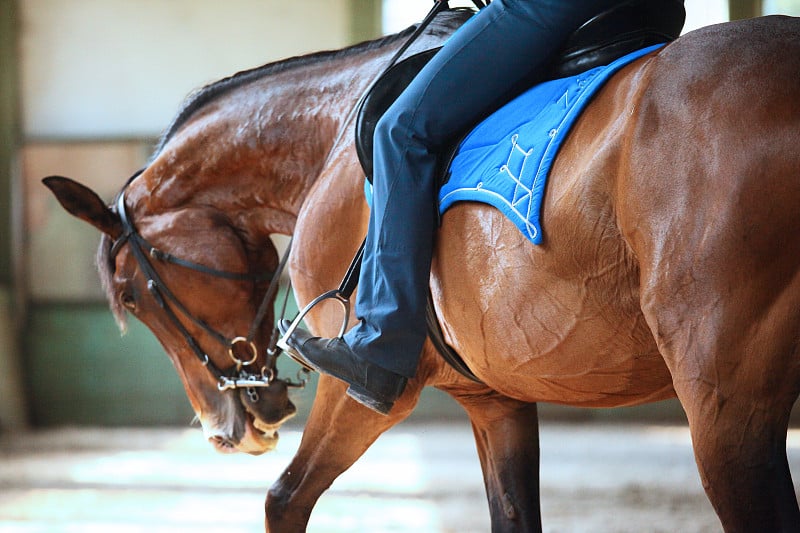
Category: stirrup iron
[330,295]
[341,295]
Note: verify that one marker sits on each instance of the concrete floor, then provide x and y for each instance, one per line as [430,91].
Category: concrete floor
[416,478]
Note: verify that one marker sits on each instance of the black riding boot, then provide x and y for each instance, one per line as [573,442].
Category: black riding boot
[370,385]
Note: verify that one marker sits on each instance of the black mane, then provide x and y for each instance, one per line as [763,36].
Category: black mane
[210,92]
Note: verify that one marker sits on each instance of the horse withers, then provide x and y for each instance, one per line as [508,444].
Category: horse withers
[670,264]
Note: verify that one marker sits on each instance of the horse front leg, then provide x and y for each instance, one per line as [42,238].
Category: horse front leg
[507,437]
[338,431]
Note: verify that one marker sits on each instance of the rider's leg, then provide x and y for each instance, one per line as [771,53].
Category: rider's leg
[473,72]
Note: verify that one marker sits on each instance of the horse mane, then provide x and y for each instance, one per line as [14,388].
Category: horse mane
[446,21]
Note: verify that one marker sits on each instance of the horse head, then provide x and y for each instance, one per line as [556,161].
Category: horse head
[197,282]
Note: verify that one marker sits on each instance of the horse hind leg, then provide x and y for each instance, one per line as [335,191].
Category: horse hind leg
[745,472]
[737,381]
[740,451]
[507,439]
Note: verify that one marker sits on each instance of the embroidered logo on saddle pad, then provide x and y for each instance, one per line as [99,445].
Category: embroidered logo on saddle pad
[505,160]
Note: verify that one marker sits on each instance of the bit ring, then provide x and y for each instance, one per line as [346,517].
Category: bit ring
[250,345]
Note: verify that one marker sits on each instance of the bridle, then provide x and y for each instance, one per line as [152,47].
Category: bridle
[239,375]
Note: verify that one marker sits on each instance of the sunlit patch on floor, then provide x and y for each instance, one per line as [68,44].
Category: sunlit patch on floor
[416,478]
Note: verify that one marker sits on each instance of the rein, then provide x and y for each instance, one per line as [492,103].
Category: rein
[350,280]
[238,376]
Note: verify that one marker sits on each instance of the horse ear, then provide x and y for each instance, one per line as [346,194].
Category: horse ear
[82,202]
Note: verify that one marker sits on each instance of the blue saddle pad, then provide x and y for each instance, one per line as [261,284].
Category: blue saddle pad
[505,160]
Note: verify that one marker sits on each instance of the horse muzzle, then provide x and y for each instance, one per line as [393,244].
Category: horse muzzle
[251,420]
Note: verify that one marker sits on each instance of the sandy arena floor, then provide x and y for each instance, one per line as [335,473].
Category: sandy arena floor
[416,478]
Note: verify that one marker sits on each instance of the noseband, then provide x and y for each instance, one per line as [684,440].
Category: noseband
[238,376]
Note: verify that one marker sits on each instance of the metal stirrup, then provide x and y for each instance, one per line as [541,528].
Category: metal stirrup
[341,295]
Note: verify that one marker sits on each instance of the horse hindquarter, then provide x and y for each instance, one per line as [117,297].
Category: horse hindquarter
[708,203]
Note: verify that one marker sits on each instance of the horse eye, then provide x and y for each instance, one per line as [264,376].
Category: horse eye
[127,300]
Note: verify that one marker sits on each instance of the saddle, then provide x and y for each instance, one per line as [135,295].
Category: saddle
[624,28]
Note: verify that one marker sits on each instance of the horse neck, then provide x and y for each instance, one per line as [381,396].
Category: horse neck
[254,152]
[254,149]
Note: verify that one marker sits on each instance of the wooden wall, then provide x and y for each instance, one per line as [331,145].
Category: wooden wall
[12,403]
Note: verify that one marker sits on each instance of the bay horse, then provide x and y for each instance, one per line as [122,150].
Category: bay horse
[670,267]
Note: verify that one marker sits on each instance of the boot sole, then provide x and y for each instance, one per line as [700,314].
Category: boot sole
[360,395]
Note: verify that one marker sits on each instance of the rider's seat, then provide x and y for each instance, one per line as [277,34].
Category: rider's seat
[626,27]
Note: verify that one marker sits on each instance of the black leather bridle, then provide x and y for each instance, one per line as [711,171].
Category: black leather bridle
[239,375]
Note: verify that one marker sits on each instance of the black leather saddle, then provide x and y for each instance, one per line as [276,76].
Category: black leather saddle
[627,27]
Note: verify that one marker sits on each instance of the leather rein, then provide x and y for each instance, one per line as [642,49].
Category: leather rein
[239,375]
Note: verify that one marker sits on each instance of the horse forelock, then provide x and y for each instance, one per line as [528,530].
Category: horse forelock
[105,270]
[446,22]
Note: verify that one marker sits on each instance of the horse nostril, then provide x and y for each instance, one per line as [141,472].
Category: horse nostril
[222,443]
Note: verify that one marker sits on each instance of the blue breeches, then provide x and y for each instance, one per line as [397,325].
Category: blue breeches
[506,43]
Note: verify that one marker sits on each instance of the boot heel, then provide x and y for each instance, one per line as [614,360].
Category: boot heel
[363,397]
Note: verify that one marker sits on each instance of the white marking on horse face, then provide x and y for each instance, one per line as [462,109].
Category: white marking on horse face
[220,425]
[230,430]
